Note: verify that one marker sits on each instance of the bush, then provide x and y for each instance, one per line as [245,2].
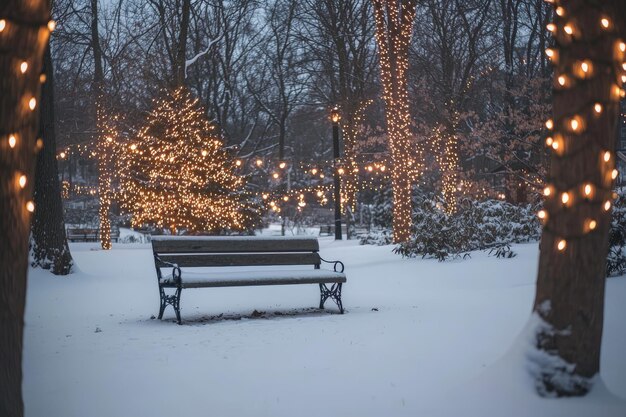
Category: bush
[477,225]
[616,261]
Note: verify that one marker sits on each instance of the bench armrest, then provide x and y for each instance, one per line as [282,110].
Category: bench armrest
[335,264]
[175,269]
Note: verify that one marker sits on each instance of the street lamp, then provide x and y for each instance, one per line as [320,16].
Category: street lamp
[335,117]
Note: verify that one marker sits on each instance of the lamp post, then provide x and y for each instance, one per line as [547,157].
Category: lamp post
[335,117]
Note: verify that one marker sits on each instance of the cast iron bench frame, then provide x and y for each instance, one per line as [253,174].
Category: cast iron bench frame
[233,251]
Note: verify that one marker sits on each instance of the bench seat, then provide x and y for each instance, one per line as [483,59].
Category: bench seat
[245,278]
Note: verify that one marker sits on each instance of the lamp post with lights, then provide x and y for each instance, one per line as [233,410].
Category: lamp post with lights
[335,117]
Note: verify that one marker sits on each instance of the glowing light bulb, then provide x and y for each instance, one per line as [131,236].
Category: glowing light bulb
[564,198]
[555,145]
[204,152]
[32,103]
[607,156]
[588,189]
[3,24]
[370,168]
[592,224]
[614,174]
[42,78]
[547,191]
[549,141]
[605,22]
[314,171]
[607,205]
[133,147]
[265,196]
[542,214]
[383,168]
[12,141]
[622,46]
[22,181]
[340,171]
[550,124]
[38,144]
[597,108]
[275,175]
[238,162]
[282,165]
[568,29]
[561,245]
[560,11]
[562,80]
[584,67]
[30,206]
[259,162]
[285,198]
[320,193]
[574,124]
[52,25]
[550,53]
[23,67]
[551,27]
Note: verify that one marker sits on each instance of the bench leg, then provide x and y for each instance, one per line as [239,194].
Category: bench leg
[173,300]
[334,292]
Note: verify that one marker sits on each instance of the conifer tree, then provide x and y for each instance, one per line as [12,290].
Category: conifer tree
[178,175]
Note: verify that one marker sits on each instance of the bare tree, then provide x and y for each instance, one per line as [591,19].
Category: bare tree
[49,243]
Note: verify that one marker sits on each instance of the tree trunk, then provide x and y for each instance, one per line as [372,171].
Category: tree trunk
[569,303]
[394,26]
[181,49]
[49,243]
[102,130]
[23,38]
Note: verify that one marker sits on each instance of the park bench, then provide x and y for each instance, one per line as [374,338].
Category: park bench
[89,235]
[180,255]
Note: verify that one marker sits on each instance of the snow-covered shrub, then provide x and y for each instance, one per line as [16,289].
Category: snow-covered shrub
[476,225]
[377,237]
[616,260]
[381,212]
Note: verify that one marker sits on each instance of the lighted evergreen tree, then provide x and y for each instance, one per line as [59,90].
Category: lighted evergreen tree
[178,175]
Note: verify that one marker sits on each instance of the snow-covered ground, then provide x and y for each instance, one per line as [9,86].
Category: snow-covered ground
[420,338]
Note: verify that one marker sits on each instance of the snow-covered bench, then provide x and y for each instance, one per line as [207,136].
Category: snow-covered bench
[275,257]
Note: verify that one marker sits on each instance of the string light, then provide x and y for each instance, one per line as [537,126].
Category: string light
[32,103]
[22,181]
[3,24]
[569,133]
[23,67]
[12,141]
[52,25]
[30,206]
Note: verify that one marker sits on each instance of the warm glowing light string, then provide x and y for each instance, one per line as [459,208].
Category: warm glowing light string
[565,132]
[14,141]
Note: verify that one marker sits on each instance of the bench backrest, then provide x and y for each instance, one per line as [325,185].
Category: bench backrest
[234,251]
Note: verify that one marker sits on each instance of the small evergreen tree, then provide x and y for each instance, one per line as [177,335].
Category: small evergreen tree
[178,175]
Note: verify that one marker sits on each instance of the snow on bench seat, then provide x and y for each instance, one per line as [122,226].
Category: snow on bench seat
[245,278]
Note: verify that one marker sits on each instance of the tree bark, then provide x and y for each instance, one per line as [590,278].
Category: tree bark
[49,242]
[23,38]
[569,301]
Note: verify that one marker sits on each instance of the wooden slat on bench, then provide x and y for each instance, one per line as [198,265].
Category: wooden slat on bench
[230,244]
[241,259]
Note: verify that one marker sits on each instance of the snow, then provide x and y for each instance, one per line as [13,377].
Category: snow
[419,338]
